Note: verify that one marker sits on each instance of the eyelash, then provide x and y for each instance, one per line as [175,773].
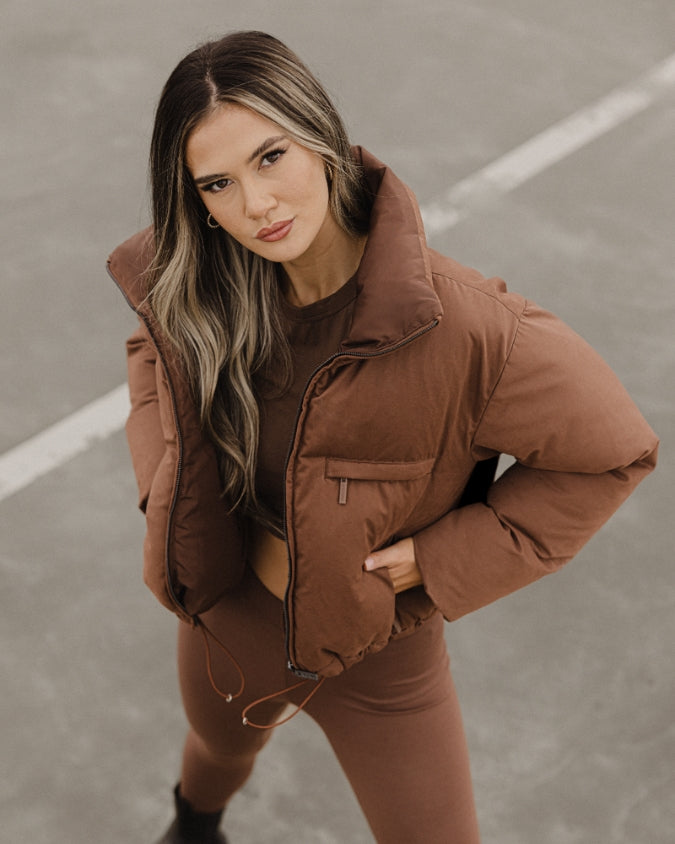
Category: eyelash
[218,187]
[278,152]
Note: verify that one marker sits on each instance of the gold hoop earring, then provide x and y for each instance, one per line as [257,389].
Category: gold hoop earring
[210,224]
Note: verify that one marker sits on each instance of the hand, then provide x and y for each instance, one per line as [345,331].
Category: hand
[399,560]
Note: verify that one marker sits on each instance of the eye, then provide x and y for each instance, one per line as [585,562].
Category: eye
[218,186]
[271,157]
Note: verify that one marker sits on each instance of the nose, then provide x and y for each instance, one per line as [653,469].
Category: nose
[258,201]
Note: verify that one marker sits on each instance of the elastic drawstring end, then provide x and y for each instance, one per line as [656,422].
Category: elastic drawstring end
[227,696]
[247,723]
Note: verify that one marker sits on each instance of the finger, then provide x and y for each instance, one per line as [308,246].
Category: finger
[374,561]
[400,551]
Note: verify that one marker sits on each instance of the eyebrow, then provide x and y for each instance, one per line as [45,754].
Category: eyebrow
[265,145]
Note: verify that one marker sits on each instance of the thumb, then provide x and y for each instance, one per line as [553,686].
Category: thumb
[402,551]
[376,560]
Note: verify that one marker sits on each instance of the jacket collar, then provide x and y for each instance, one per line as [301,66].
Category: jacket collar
[127,266]
[396,296]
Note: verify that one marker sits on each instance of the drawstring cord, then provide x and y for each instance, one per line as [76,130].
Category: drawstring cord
[229,696]
[304,703]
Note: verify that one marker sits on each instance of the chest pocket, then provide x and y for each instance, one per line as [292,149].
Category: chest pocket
[379,495]
[344,471]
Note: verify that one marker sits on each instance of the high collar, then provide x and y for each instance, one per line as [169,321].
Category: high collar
[396,296]
[395,292]
[128,263]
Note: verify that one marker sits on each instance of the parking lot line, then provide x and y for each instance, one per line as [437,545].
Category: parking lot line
[549,147]
[53,447]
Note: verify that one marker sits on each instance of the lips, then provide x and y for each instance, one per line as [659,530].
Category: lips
[276,231]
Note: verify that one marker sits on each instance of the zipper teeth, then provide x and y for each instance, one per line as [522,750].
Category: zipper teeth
[327,362]
[179,442]
[178,475]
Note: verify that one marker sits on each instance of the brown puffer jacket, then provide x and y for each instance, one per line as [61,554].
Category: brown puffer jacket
[441,369]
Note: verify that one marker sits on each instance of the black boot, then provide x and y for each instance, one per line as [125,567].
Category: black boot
[190,827]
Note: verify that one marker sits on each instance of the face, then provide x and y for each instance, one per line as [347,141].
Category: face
[268,192]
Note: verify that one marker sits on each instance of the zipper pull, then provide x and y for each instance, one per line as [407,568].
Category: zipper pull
[299,672]
[342,491]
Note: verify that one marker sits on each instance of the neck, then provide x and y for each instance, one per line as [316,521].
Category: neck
[324,269]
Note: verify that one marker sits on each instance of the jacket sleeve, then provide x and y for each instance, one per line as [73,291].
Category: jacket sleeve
[143,427]
[580,447]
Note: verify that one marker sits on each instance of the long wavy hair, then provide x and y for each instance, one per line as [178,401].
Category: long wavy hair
[215,300]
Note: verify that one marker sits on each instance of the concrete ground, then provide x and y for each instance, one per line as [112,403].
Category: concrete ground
[568,686]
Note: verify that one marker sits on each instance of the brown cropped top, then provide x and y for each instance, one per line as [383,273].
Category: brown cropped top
[314,332]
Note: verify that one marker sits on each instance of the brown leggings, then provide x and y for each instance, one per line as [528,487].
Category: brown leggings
[393,721]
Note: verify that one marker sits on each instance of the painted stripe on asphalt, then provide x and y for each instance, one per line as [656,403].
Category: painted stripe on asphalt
[48,450]
[548,148]
[53,447]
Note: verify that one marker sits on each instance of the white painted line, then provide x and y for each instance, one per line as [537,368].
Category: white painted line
[52,448]
[56,445]
[549,147]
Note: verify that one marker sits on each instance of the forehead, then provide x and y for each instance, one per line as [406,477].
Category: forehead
[226,137]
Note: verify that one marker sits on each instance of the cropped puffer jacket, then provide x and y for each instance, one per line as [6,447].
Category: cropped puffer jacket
[441,371]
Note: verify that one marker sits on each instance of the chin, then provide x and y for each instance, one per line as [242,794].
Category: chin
[280,252]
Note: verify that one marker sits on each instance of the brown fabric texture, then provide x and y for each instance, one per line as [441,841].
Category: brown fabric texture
[440,368]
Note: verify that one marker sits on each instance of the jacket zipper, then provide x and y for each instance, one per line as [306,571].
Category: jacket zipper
[178,475]
[179,442]
[342,494]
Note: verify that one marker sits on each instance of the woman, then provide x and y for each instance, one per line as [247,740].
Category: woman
[318,402]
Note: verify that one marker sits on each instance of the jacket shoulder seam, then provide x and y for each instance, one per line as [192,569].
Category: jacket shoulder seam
[500,374]
[516,312]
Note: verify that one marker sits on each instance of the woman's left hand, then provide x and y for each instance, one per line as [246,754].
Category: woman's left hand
[399,560]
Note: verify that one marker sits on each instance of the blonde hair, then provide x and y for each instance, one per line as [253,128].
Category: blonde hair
[216,301]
